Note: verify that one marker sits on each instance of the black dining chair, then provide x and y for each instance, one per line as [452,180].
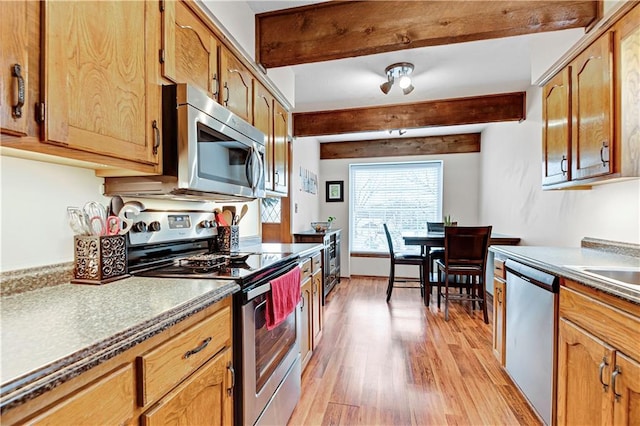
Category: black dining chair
[436,253]
[465,255]
[403,259]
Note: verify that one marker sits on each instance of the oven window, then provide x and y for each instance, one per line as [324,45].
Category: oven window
[271,346]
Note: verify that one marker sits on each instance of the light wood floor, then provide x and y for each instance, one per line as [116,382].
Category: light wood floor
[402,364]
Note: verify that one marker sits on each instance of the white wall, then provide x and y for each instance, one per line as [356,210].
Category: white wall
[514,203]
[304,206]
[461,187]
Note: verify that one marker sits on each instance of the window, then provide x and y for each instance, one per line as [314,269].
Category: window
[404,195]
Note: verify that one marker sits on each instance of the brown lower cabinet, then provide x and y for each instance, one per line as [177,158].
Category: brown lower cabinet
[311,307]
[598,359]
[184,375]
[499,310]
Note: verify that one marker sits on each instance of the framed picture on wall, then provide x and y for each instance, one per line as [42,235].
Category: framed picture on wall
[335,191]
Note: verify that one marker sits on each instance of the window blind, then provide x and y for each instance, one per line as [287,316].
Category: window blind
[403,195]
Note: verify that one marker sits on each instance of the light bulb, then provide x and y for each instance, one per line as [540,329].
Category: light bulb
[405,81]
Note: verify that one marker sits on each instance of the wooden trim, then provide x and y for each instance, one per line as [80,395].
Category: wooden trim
[335,30]
[429,145]
[445,112]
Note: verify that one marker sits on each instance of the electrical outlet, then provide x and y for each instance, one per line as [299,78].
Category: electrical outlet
[295,207]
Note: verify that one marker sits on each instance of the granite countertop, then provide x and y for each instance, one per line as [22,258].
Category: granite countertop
[54,333]
[568,261]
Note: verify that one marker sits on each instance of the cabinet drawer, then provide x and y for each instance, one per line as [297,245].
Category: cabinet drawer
[305,270]
[161,368]
[498,269]
[612,325]
[110,400]
[316,262]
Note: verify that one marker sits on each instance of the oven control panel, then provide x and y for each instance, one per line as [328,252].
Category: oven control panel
[154,226]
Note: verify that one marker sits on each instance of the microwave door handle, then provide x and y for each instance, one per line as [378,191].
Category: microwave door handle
[260,175]
[248,166]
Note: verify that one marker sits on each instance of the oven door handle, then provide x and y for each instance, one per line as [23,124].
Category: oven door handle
[255,292]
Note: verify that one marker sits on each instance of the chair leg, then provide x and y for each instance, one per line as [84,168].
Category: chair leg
[483,289]
[421,280]
[446,296]
[439,287]
[391,279]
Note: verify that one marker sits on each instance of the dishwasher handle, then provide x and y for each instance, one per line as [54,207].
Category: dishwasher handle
[534,276]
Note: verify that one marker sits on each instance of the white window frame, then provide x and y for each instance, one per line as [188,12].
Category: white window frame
[411,219]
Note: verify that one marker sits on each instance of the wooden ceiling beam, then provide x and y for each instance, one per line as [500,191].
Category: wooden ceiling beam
[447,112]
[428,145]
[337,29]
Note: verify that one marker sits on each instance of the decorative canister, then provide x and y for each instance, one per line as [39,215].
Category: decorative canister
[228,238]
[99,259]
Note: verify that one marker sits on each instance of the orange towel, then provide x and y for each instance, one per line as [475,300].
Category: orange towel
[283,297]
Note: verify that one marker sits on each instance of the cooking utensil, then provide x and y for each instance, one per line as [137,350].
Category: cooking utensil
[125,221]
[232,209]
[115,205]
[228,216]
[243,212]
[220,220]
[77,221]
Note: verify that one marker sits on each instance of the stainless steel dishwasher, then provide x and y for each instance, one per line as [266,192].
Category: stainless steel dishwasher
[532,298]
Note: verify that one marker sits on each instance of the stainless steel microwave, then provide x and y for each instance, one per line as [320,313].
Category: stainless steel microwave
[209,153]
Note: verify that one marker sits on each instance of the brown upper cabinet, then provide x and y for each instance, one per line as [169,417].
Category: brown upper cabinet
[280,149]
[101,87]
[589,108]
[273,119]
[236,91]
[91,92]
[189,49]
[19,29]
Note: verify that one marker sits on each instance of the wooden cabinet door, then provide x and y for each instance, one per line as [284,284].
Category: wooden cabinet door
[556,135]
[584,371]
[18,81]
[108,401]
[316,295]
[190,50]
[263,104]
[237,85]
[306,344]
[626,387]
[499,323]
[592,102]
[280,149]
[205,398]
[101,77]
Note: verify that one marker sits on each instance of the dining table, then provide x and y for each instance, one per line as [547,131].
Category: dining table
[427,240]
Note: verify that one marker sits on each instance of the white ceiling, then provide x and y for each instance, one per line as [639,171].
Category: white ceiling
[441,72]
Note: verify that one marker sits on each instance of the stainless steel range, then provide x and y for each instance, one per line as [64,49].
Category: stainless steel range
[182,244]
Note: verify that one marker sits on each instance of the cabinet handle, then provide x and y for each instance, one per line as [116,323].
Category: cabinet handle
[16,72]
[277,177]
[603,364]
[226,99]
[194,351]
[216,85]
[233,379]
[602,148]
[614,376]
[156,132]
[563,161]
[302,303]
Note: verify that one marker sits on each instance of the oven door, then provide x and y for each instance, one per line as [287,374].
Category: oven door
[271,365]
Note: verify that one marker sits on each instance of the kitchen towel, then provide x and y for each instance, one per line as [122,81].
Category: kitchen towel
[283,297]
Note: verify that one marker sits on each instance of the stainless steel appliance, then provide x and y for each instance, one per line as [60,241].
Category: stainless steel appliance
[531,303]
[267,362]
[208,153]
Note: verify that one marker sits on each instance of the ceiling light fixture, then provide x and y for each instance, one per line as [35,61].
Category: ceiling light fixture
[401,72]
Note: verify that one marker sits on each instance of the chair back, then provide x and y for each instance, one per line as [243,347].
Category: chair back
[389,240]
[466,245]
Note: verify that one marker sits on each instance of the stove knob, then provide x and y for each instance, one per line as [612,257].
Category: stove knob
[206,224]
[154,226]
[139,227]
